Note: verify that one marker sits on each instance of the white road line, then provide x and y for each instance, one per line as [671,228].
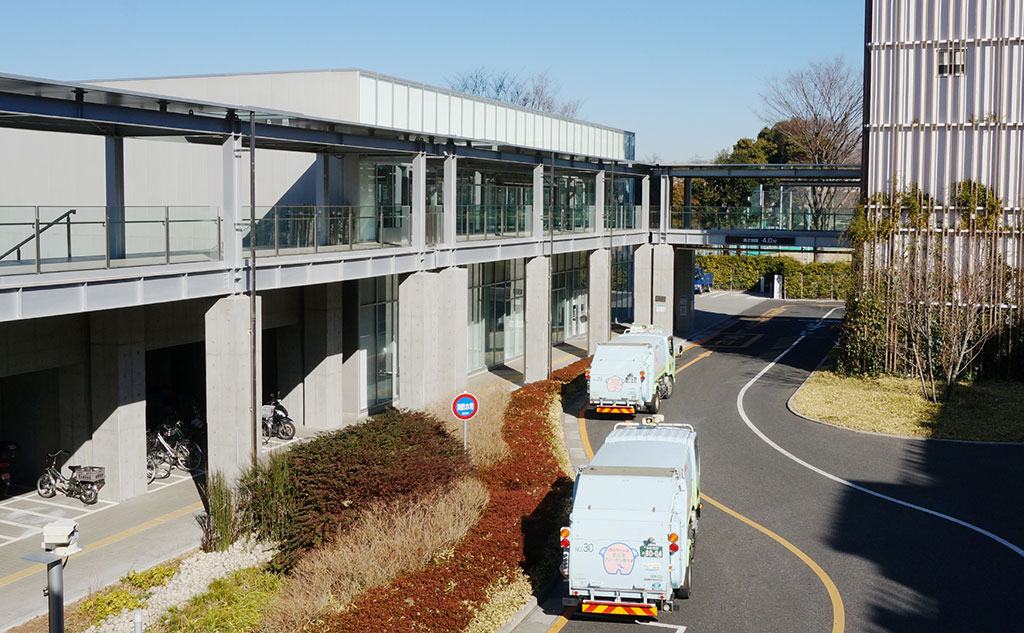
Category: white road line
[677,628]
[840,480]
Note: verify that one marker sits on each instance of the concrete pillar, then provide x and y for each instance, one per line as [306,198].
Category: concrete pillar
[683,289]
[645,203]
[599,204]
[663,270]
[452,342]
[599,326]
[643,258]
[322,355]
[538,201]
[231,237]
[118,376]
[114,160]
[419,201]
[419,318]
[230,432]
[74,411]
[450,198]
[353,371]
[538,315]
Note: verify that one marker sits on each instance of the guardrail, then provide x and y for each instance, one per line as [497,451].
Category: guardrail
[493,221]
[747,219]
[296,229]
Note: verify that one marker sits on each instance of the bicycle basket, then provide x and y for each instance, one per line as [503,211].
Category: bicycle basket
[91,474]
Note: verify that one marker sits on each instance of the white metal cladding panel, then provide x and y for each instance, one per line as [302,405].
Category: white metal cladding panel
[401,109]
[432,120]
[490,120]
[501,125]
[416,110]
[367,100]
[520,128]
[929,20]
[385,91]
[449,113]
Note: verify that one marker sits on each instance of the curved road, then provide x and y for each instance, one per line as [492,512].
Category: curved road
[894,568]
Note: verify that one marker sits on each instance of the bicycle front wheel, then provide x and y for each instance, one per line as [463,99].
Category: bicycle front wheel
[45,486]
[188,455]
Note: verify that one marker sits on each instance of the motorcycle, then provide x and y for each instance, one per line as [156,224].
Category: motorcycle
[8,449]
[276,422]
[84,482]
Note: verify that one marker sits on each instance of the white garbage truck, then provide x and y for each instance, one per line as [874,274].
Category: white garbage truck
[628,548]
[633,372]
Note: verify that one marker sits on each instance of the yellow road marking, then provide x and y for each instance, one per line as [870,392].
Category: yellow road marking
[838,611]
[103,542]
[562,620]
[702,356]
[583,433]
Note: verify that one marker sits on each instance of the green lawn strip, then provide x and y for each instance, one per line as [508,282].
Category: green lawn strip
[985,410]
[234,603]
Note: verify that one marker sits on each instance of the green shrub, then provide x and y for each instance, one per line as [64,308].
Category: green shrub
[100,606]
[223,522]
[818,280]
[232,604]
[146,580]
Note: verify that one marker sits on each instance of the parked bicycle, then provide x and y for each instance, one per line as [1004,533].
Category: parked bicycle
[169,447]
[83,484]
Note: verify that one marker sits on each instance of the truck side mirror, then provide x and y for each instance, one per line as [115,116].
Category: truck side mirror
[680,350]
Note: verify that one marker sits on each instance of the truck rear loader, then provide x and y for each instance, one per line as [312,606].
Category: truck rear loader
[628,548]
[633,372]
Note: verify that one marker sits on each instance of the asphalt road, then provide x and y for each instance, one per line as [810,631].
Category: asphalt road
[893,567]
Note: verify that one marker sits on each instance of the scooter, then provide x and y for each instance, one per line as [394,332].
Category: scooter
[276,422]
[8,449]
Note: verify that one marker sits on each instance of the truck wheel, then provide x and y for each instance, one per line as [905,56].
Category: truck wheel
[684,590]
[655,403]
[670,384]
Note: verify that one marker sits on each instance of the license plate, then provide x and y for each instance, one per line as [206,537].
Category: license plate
[651,551]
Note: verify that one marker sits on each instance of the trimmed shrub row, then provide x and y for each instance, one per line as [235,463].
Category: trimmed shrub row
[822,280]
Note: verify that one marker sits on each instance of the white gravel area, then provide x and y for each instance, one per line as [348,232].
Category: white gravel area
[192,578]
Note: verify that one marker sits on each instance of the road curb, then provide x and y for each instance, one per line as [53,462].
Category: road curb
[792,409]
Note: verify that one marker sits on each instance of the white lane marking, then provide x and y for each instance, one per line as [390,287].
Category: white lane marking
[678,629]
[840,480]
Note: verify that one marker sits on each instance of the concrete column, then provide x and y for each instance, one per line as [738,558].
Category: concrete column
[451,339]
[645,203]
[419,201]
[538,314]
[114,160]
[419,321]
[230,432]
[450,198]
[599,203]
[118,376]
[643,259]
[599,326]
[683,289]
[74,411]
[538,201]
[231,237]
[663,270]
[322,355]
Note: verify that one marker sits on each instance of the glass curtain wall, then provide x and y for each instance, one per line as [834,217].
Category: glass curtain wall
[569,285]
[493,204]
[619,202]
[575,203]
[378,336]
[496,322]
[622,284]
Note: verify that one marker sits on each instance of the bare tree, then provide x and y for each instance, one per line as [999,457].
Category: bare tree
[819,110]
[537,91]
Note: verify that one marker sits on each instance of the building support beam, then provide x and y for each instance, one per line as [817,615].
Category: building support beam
[665,219]
[538,318]
[322,355]
[451,339]
[599,326]
[599,204]
[450,198]
[230,235]
[418,323]
[231,438]
[643,291]
[118,376]
[114,161]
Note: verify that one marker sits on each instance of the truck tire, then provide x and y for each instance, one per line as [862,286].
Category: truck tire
[655,403]
[670,385]
[685,589]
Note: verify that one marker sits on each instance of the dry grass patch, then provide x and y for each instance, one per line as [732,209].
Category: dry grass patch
[985,410]
[483,433]
[387,540]
[505,597]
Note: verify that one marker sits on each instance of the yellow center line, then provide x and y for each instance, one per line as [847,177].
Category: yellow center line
[562,620]
[103,542]
[838,611]
[583,433]
[701,357]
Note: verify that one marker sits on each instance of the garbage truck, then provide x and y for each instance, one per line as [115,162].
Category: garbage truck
[633,372]
[628,547]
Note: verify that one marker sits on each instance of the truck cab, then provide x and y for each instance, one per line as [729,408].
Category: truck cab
[629,544]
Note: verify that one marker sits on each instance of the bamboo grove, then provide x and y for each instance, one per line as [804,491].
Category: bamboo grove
[937,288]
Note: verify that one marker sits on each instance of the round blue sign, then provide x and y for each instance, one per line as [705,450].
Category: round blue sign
[465,406]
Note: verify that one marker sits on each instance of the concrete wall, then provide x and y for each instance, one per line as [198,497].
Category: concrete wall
[663,271]
[538,315]
[599,325]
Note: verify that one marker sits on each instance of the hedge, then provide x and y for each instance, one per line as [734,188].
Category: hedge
[820,280]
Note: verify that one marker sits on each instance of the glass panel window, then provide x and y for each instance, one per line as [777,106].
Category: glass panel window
[378,337]
[952,61]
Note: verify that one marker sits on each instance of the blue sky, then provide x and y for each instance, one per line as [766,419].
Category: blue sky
[685,76]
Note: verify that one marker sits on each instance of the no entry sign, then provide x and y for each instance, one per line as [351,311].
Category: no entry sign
[465,406]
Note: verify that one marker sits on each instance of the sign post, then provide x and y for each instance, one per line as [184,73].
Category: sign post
[464,407]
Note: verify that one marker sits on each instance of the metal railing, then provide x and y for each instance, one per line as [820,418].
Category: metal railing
[492,221]
[97,237]
[570,219]
[622,217]
[771,219]
[295,229]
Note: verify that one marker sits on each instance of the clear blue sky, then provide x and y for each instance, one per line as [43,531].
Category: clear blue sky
[685,75]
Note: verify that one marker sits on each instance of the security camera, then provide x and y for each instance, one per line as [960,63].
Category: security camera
[60,537]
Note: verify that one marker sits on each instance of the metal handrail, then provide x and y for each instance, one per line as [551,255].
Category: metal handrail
[37,231]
